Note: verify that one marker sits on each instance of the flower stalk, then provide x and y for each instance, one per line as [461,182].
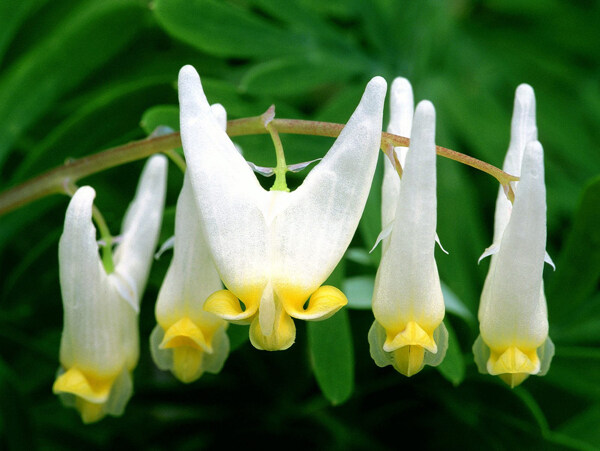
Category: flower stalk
[55,180]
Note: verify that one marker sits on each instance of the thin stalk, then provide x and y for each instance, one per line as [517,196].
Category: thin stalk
[55,180]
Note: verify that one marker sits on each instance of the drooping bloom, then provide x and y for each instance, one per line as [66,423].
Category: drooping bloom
[274,249]
[100,345]
[408,304]
[513,317]
[188,340]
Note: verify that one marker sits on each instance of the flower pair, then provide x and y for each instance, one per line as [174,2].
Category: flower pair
[99,345]
[513,316]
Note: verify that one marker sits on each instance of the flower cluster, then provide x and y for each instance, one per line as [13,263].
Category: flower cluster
[245,255]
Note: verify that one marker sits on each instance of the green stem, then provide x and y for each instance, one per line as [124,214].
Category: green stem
[105,235]
[281,168]
[177,159]
[55,180]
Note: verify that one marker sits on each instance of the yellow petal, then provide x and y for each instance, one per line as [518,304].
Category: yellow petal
[187,363]
[411,335]
[94,389]
[408,360]
[323,303]
[225,304]
[513,379]
[185,333]
[281,338]
[90,412]
[513,360]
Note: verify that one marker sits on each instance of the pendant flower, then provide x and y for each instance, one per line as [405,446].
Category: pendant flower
[274,249]
[513,316]
[99,346]
[188,340]
[408,304]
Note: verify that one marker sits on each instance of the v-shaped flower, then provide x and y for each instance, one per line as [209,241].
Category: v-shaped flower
[274,249]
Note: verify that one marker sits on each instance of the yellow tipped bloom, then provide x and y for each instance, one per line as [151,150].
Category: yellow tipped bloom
[408,305]
[274,249]
[188,340]
[99,346]
[514,340]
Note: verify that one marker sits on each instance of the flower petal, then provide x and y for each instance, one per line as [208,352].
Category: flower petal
[314,224]
[133,255]
[513,308]
[192,276]
[227,193]
[523,130]
[91,338]
[407,286]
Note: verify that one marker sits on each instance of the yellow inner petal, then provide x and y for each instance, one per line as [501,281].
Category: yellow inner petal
[185,333]
[187,363]
[323,303]
[513,360]
[408,360]
[513,379]
[89,387]
[281,337]
[411,335]
[225,304]
[90,412]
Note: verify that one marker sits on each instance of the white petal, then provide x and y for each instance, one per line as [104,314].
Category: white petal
[407,285]
[91,333]
[227,193]
[523,130]
[133,256]
[401,112]
[513,309]
[401,117]
[192,276]
[313,231]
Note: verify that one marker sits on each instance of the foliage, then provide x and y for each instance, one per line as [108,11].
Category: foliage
[78,77]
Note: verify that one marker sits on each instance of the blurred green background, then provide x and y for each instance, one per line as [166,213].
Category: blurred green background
[77,77]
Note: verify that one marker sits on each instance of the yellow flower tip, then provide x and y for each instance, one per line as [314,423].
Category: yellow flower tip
[513,379]
[90,412]
[91,388]
[323,303]
[281,338]
[226,305]
[411,335]
[408,360]
[185,333]
[513,360]
[187,362]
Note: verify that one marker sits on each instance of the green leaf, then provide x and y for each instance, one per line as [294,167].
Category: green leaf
[13,14]
[584,426]
[296,75]
[576,370]
[453,365]
[455,306]
[78,47]
[160,115]
[332,356]
[578,267]
[223,29]
[359,291]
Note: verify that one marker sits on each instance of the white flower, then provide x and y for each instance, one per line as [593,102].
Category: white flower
[273,249]
[99,347]
[188,340]
[513,317]
[408,331]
